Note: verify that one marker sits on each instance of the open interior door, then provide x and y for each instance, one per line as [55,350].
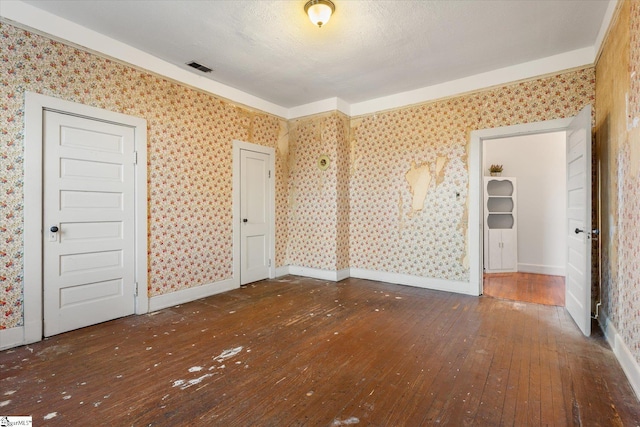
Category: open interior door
[578,279]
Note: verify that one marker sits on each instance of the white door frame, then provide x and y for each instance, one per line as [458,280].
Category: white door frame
[237,147]
[476,220]
[35,104]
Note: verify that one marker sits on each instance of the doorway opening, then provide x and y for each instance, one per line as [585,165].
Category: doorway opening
[579,212]
[524,231]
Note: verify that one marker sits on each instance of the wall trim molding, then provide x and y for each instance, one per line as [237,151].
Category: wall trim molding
[466,288]
[317,273]
[26,16]
[552,270]
[629,365]
[345,273]
[415,281]
[282,271]
[68,32]
[12,337]
[555,64]
[183,296]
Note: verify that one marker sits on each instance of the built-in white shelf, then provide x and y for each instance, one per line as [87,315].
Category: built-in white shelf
[500,228]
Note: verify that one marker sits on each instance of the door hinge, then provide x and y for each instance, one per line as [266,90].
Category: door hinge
[269,174]
[135,293]
[269,262]
[135,157]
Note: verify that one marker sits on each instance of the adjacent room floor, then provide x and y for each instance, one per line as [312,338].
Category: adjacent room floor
[297,351]
[525,287]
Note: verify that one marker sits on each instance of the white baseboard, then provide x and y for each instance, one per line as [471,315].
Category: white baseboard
[623,354]
[12,337]
[345,273]
[282,271]
[190,294]
[552,270]
[399,279]
[417,281]
[317,273]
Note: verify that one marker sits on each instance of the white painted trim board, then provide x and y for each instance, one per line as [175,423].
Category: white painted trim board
[183,296]
[25,15]
[551,270]
[12,337]
[622,352]
[317,273]
[380,276]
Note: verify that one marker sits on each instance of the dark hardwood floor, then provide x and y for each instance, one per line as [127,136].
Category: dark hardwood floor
[526,287]
[304,352]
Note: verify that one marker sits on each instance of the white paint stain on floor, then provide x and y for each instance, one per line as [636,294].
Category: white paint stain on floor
[194,381]
[348,421]
[227,354]
[50,415]
[5,403]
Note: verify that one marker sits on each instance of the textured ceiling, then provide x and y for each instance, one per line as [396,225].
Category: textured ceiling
[368,49]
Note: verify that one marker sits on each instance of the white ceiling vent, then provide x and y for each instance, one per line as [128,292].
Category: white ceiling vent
[200,67]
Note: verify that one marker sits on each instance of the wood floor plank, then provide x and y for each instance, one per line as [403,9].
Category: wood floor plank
[495,389]
[516,391]
[525,287]
[305,352]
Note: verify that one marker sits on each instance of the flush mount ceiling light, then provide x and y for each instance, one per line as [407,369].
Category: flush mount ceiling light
[319,11]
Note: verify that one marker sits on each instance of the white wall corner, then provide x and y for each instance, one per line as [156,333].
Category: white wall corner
[318,107]
[190,294]
[343,106]
[527,70]
[25,15]
[282,271]
[345,273]
[604,28]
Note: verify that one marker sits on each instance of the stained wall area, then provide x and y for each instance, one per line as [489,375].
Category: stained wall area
[190,137]
[319,193]
[618,152]
[409,175]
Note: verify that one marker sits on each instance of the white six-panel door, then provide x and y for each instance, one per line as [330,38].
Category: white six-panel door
[254,213]
[88,222]
[578,279]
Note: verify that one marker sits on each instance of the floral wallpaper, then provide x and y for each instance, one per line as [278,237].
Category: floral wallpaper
[319,199]
[190,138]
[362,211]
[387,231]
[618,137]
